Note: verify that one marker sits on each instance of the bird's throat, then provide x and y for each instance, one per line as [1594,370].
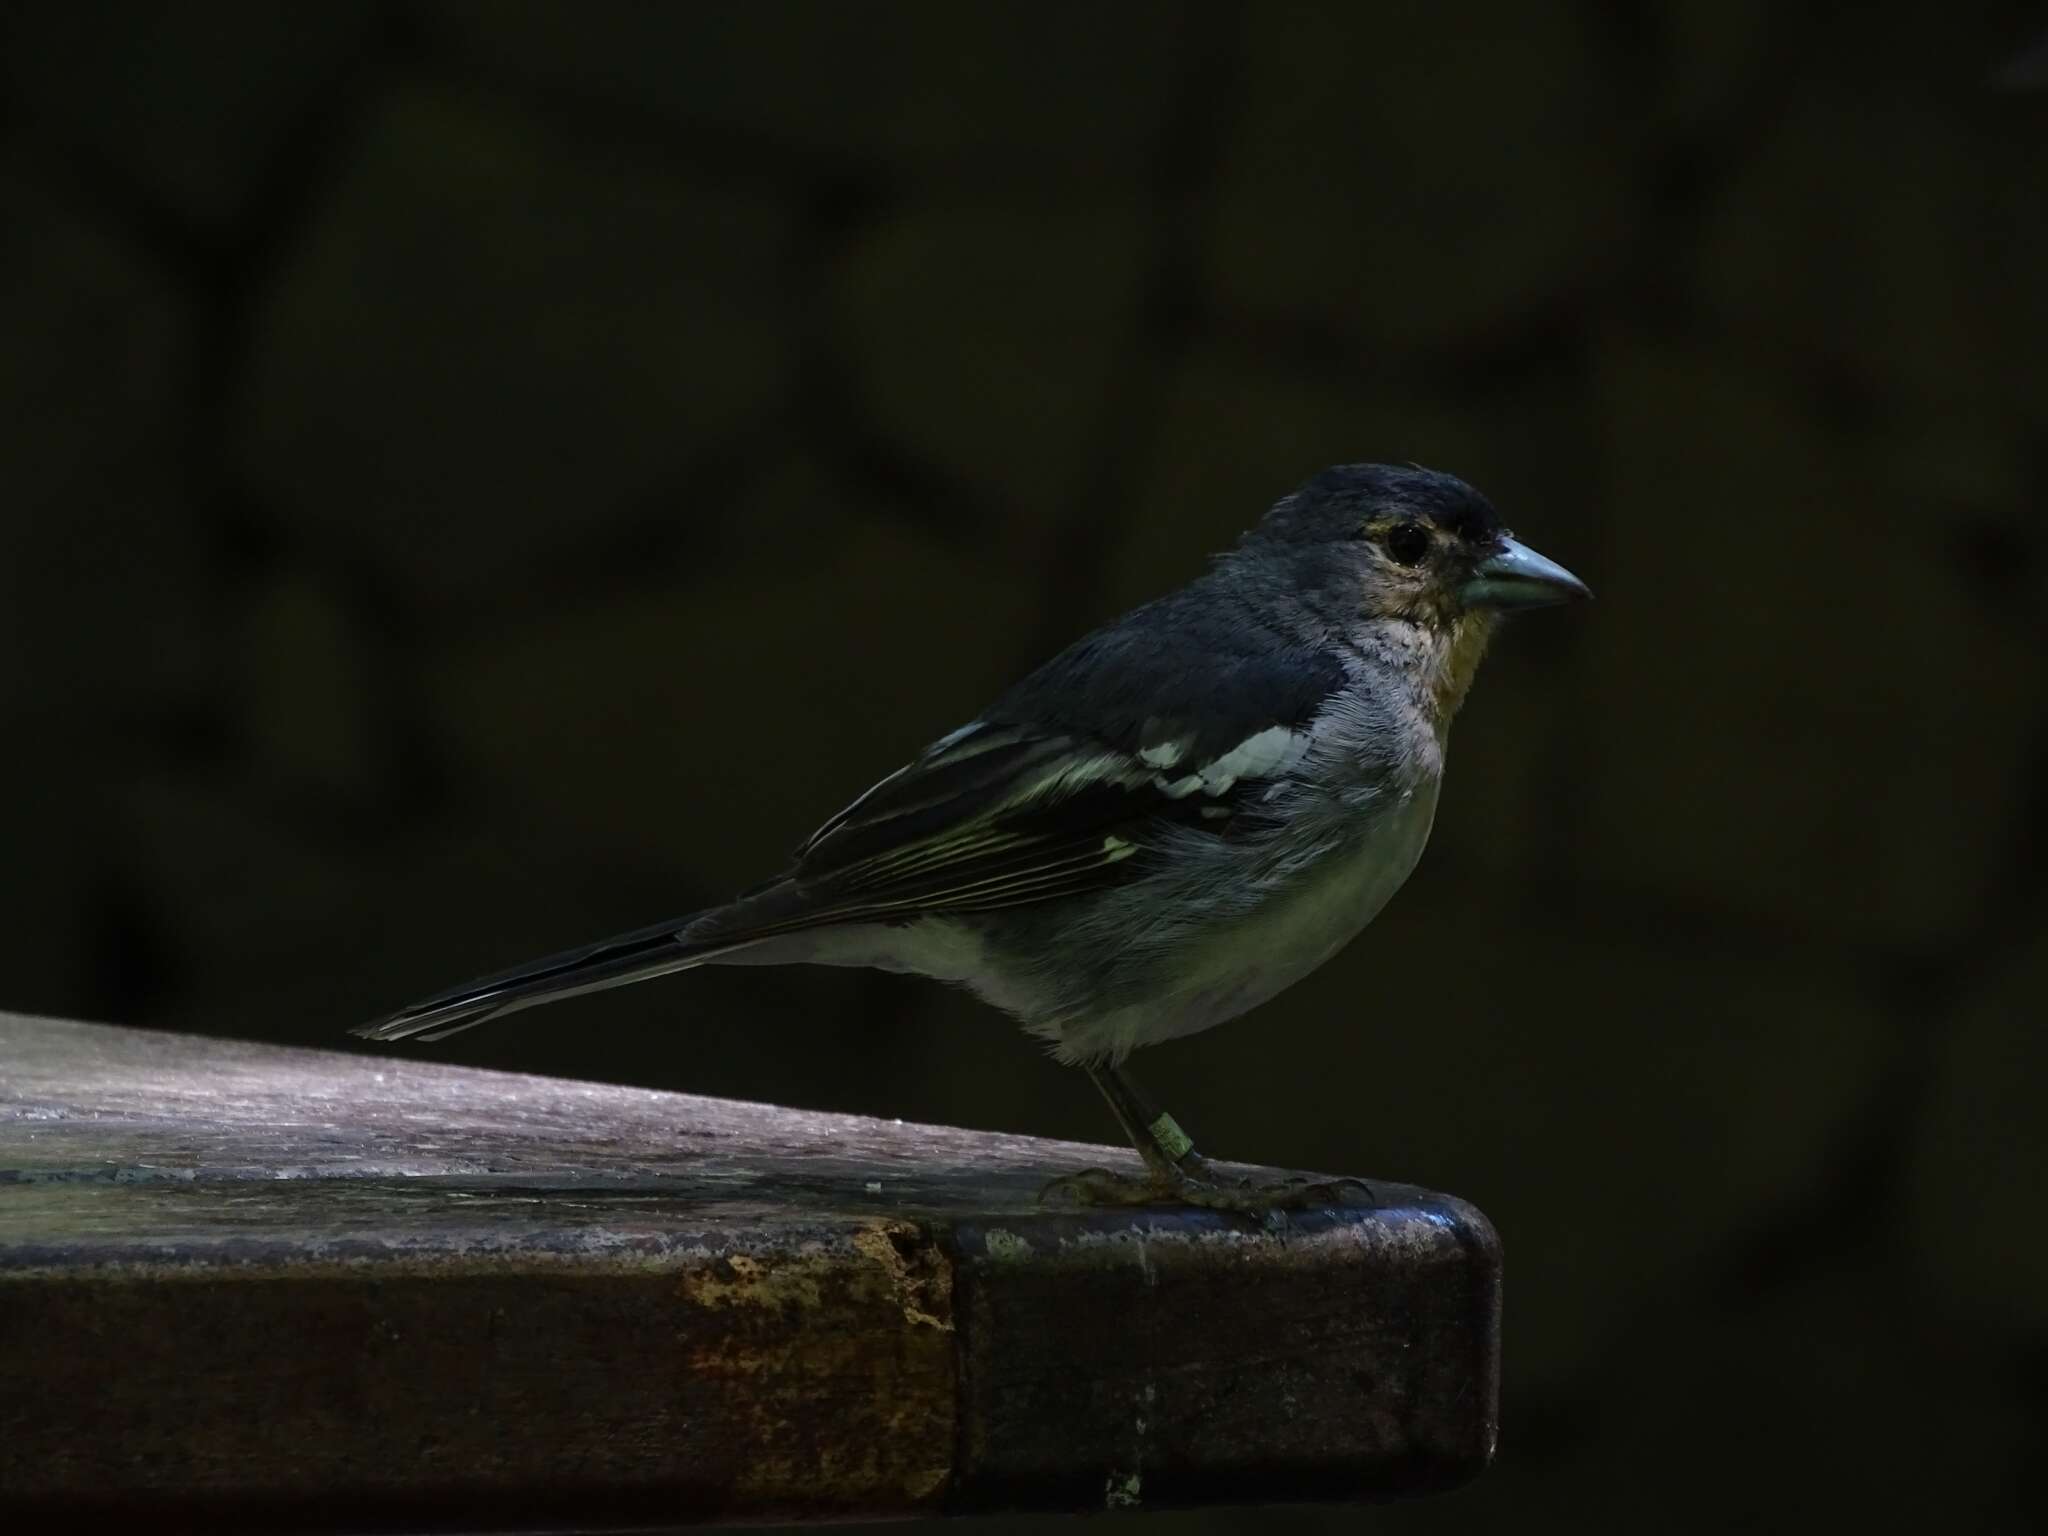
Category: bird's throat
[1455,662]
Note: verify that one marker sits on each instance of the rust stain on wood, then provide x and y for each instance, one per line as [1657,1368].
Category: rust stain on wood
[850,1330]
[738,1280]
[921,1275]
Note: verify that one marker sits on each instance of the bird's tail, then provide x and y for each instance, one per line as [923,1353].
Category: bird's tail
[613,962]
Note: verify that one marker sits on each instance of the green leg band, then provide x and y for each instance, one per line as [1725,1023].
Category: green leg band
[1172,1140]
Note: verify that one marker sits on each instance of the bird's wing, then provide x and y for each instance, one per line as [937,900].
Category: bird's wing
[997,817]
[1007,811]
[990,817]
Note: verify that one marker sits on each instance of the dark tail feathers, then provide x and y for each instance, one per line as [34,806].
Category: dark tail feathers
[612,962]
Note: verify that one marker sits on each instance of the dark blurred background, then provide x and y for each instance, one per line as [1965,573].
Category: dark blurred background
[474,476]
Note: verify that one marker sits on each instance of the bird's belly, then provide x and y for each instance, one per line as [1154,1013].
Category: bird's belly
[1258,957]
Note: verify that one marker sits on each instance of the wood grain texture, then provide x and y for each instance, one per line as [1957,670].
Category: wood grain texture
[248,1286]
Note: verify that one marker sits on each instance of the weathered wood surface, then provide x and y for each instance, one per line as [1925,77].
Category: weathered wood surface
[249,1286]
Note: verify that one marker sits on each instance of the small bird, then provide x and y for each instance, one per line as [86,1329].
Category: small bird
[1175,818]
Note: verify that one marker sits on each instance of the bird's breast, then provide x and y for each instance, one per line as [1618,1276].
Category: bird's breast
[1297,926]
[1337,895]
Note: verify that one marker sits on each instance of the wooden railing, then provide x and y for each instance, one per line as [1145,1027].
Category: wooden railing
[247,1286]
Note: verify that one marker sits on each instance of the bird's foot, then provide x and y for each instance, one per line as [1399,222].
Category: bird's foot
[1098,1186]
[1203,1186]
[1301,1193]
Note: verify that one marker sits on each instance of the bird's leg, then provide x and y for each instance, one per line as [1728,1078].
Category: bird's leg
[1168,1152]
[1176,1171]
[1172,1165]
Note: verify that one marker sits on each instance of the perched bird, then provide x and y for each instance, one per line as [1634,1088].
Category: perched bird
[1169,822]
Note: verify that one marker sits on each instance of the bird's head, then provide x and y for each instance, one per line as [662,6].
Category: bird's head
[1382,541]
[1412,563]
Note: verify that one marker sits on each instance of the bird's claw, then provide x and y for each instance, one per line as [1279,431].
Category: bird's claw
[1299,1192]
[1098,1186]
[1293,1194]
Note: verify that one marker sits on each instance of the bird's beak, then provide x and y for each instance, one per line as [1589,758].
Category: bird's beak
[1515,576]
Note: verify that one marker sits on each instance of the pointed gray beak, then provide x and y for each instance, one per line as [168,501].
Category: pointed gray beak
[1515,576]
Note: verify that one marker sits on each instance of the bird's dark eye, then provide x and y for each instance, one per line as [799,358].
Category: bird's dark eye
[1407,543]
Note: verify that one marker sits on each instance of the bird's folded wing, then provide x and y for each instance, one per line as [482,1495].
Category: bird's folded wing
[1000,815]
